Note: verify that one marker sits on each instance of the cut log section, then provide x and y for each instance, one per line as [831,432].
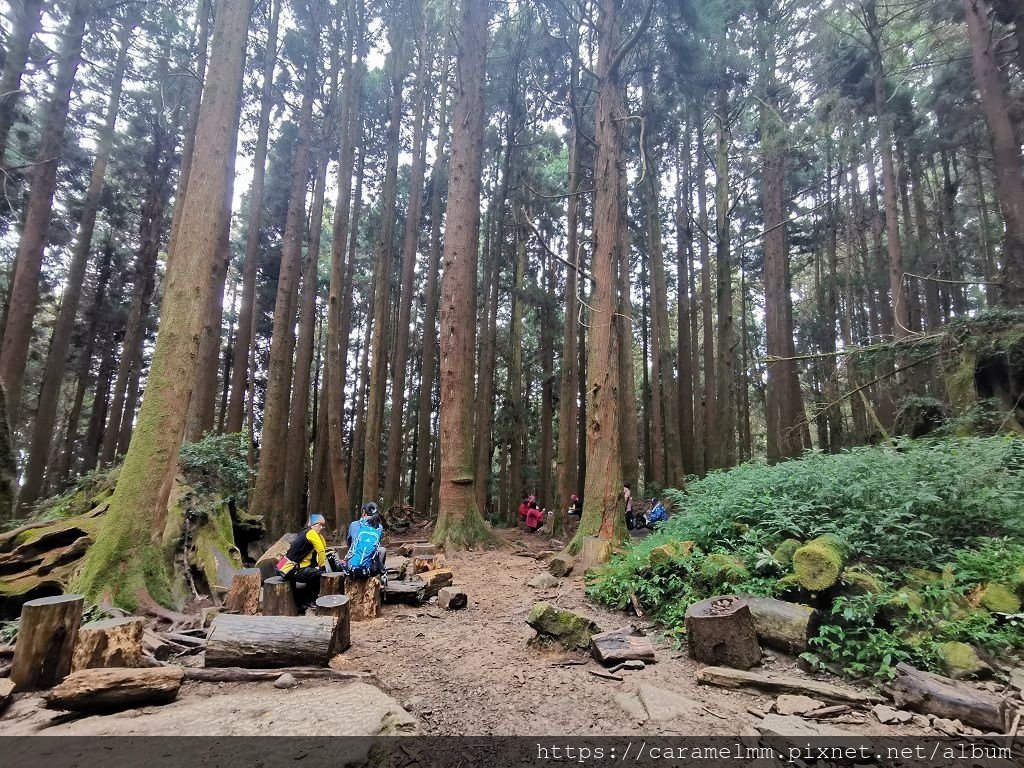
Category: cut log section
[244,593]
[734,678]
[720,630]
[434,580]
[336,606]
[419,564]
[107,689]
[332,583]
[109,643]
[452,598]
[595,552]
[621,645]
[270,641]
[156,646]
[926,693]
[364,598]
[422,550]
[47,635]
[240,675]
[781,625]
[408,591]
[278,598]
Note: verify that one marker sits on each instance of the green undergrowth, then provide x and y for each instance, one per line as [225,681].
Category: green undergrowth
[932,531]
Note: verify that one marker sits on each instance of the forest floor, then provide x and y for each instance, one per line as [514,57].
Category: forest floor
[462,672]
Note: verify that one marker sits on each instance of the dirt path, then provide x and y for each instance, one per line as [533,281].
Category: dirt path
[472,672]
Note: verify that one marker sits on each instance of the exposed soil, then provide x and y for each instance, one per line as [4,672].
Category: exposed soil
[465,672]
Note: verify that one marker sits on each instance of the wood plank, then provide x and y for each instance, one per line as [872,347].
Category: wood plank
[725,677]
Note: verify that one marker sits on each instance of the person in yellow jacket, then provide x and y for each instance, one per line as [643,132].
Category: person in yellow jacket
[307,557]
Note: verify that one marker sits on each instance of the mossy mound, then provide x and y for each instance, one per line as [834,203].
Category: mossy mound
[904,602]
[557,626]
[961,660]
[1017,580]
[999,598]
[921,577]
[857,581]
[783,553]
[670,552]
[718,569]
[818,563]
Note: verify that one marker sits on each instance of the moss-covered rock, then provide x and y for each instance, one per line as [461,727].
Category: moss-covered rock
[818,563]
[1017,580]
[961,660]
[783,553]
[557,626]
[999,598]
[858,581]
[720,569]
[666,553]
[904,602]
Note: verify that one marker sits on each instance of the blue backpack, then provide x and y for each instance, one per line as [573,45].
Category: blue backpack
[364,547]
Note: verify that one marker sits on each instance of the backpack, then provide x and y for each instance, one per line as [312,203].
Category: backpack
[364,548]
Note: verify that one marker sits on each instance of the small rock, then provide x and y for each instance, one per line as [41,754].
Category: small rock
[633,664]
[948,727]
[555,625]
[560,565]
[452,598]
[768,656]
[902,716]
[796,705]
[920,721]
[884,714]
[1017,678]
[286,681]
[791,726]
[543,581]
[632,706]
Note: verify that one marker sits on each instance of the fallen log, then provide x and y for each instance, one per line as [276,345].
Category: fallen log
[186,640]
[156,646]
[240,675]
[47,635]
[435,580]
[244,593]
[720,630]
[735,678]
[109,643]
[620,645]
[781,625]
[116,688]
[926,693]
[269,641]
[410,591]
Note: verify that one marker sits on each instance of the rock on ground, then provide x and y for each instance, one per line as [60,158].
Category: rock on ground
[793,726]
[665,706]
[788,704]
[543,581]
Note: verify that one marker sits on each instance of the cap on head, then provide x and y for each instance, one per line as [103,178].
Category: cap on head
[316,519]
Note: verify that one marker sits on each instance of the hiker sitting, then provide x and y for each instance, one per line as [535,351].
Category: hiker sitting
[534,518]
[657,514]
[306,558]
[366,556]
[368,509]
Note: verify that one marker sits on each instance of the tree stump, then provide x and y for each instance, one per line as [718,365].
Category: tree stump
[109,643]
[337,606]
[422,550]
[270,641]
[720,630]
[452,598]
[410,591]
[46,641]
[278,598]
[244,593]
[427,563]
[364,598]
[106,689]
[332,583]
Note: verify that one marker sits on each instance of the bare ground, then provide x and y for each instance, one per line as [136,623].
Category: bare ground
[464,672]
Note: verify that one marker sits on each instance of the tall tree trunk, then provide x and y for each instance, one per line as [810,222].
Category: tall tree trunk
[602,506]
[126,559]
[566,481]
[246,313]
[724,440]
[684,312]
[708,409]
[459,523]
[424,477]
[933,311]
[651,407]
[900,309]
[985,231]
[384,250]
[297,461]
[783,394]
[547,343]
[268,497]
[27,17]
[339,309]
[410,241]
[53,375]
[517,410]
[24,293]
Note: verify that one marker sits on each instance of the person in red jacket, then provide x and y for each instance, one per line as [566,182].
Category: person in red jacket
[534,517]
[524,506]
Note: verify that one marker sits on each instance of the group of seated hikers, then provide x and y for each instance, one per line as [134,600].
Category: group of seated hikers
[533,516]
[308,556]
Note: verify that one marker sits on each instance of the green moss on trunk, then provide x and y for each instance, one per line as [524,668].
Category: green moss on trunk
[818,563]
